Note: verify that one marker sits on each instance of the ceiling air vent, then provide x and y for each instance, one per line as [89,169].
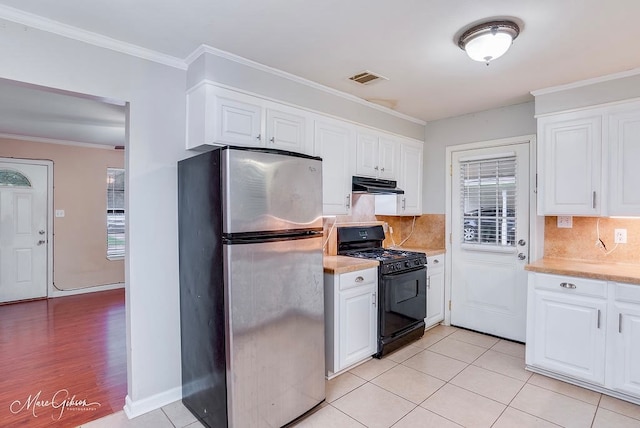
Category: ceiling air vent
[366,77]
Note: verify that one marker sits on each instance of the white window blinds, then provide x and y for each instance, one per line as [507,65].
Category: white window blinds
[488,201]
[115,213]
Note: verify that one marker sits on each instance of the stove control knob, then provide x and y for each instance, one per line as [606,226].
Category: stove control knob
[407,264]
[398,265]
[417,262]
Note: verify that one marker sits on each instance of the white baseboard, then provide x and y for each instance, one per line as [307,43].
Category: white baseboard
[54,292]
[136,408]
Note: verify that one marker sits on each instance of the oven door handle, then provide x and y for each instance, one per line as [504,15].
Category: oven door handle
[418,268]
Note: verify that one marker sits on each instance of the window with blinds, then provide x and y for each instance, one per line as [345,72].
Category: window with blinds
[115,213]
[488,201]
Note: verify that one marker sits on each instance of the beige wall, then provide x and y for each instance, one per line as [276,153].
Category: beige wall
[80,241]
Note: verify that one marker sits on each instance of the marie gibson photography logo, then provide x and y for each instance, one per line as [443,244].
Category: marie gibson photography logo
[59,402]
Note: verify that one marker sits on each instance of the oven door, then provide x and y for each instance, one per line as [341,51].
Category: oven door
[404,301]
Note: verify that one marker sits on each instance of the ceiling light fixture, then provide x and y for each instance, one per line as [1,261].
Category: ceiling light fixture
[488,41]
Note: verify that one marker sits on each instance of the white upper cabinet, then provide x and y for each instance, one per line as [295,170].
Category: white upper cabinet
[335,144]
[409,180]
[570,164]
[588,162]
[411,177]
[221,116]
[237,123]
[624,161]
[376,155]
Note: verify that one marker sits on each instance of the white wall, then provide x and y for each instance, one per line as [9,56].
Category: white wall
[588,93]
[157,126]
[486,125]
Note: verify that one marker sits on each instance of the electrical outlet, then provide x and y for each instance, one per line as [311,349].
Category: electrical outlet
[620,236]
[565,222]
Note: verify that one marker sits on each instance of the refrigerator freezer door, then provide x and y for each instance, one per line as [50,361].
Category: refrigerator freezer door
[265,191]
[275,301]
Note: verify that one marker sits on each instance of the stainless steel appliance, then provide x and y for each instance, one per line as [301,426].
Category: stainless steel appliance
[402,285]
[251,286]
[376,186]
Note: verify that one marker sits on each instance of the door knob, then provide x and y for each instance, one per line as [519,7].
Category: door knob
[521,256]
[42,241]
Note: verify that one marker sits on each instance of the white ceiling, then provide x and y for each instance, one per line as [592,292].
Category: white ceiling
[412,42]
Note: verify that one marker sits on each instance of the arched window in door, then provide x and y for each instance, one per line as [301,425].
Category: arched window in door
[11,178]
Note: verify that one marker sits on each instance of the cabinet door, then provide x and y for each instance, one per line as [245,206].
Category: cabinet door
[624,155]
[358,324]
[286,131]
[625,352]
[435,290]
[411,179]
[387,155]
[569,335]
[570,164]
[238,123]
[335,145]
[367,155]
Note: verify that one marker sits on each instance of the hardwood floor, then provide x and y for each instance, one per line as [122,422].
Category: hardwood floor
[63,360]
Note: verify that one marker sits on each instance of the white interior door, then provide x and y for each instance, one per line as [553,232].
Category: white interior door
[23,231]
[490,239]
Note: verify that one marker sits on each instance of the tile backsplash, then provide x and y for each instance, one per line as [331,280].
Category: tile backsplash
[579,242]
[427,232]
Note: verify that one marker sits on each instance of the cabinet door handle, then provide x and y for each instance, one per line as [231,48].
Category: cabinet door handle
[272,139]
[375,167]
[620,323]
[359,279]
[429,283]
[348,201]
[404,203]
[259,137]
[436,261]
[598,318]
[593,203]
[567,285]
[382,169]
[373,299]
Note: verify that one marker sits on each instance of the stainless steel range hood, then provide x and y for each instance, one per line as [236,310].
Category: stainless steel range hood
[375,186]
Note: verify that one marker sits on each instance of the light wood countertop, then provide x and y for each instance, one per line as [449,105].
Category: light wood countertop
[619,272]
[343,264]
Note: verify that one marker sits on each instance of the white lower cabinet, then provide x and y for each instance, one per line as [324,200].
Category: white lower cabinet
[435,290]
[351,318]
[624,342]
[586,332]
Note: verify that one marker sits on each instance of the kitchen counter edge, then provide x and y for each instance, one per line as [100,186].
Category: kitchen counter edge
[343,264]
[617,272]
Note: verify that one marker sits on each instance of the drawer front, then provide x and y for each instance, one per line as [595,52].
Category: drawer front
[358,278]
[435,261]
[571,285]
[627,293]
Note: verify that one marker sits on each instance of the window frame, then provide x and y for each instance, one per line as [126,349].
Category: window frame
[115,215]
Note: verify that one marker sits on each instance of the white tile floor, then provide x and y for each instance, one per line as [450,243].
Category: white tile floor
[449,378]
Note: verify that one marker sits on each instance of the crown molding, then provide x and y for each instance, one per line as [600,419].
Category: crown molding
[55,27]
[56,141]
[586,82]
[202,49]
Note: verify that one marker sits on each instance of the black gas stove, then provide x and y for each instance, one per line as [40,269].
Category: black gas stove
[390,260]
[402,291]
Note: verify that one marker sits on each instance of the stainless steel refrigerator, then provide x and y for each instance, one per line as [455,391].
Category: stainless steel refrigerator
[251,286]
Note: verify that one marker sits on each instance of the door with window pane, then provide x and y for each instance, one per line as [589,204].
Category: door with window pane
[490,236]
